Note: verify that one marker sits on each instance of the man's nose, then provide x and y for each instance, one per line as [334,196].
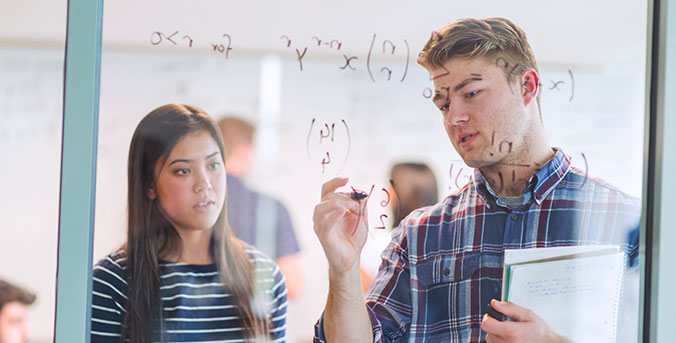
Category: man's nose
[457,114]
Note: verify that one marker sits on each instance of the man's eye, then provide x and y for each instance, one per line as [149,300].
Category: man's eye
[214,165]
[472,94]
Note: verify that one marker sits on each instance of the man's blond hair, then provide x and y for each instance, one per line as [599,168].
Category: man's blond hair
[493,38]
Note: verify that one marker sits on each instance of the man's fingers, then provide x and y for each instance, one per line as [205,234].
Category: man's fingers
[336,203]
[333,184]
[495,339]
[335,208]
[492,326]
[499,332]
[514,311]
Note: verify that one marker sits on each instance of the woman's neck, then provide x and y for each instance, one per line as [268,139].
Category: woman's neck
[195,247]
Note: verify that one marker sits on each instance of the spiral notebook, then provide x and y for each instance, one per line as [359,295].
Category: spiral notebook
[576,290]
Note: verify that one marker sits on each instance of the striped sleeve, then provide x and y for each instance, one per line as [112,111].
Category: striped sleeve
[270,283]
[278,307]
[108,299]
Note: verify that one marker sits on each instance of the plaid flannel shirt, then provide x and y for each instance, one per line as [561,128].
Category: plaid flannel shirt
[444,263]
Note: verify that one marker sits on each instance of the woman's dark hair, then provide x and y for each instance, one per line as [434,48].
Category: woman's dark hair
[150,235]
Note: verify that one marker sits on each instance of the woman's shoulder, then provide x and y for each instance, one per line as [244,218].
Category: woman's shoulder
[110,283]
[114,266]
[265,269]
[256,256]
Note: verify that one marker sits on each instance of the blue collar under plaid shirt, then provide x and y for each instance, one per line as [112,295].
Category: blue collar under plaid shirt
[444,263]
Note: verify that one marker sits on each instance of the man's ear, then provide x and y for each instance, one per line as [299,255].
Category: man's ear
[151,193]
[530,81]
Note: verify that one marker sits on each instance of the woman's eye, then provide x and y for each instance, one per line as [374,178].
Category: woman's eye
[214,165]
[443,108]
[182,171]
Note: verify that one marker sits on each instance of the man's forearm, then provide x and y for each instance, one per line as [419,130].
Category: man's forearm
[345,317]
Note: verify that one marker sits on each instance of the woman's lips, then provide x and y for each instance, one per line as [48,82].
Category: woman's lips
[204,205]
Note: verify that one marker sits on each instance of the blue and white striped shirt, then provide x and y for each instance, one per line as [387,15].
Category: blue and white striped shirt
[197,307]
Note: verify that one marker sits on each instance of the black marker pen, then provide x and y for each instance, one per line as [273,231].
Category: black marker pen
[358,195]
[495,314]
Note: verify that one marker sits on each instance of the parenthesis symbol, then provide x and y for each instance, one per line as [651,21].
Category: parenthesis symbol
[572,87]
[586,170]
[456,177]
[368,58]
[349,145]
[307,143]
[408,56]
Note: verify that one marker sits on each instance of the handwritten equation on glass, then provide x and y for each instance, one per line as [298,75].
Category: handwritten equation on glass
[386,199]
[328,145]
[382,69]
[220,44]
[461,175]
[379,61]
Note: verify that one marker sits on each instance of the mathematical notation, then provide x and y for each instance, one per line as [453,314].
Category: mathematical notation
[377,68]
[460,174]
[386,197]
[386,60]
[510,69]
[329,149]
[221,45]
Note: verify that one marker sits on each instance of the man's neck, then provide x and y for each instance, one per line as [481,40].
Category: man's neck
[510,178]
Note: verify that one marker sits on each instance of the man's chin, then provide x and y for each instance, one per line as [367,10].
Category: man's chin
[474,162]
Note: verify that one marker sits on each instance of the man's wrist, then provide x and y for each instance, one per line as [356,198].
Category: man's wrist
[345,283]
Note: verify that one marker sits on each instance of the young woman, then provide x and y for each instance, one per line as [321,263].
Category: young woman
[182,276]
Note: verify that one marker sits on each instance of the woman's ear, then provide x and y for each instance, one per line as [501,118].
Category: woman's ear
[151,193]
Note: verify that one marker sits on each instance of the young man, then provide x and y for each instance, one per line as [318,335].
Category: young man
[13,303]
[444,264]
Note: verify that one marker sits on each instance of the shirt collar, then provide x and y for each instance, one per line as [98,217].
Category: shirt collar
[543,181]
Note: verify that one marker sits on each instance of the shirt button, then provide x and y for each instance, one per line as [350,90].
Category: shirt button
[447,272]
[514,216]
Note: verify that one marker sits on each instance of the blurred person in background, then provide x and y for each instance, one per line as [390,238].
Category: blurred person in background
[14,301]
[412,186]
[256,218]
